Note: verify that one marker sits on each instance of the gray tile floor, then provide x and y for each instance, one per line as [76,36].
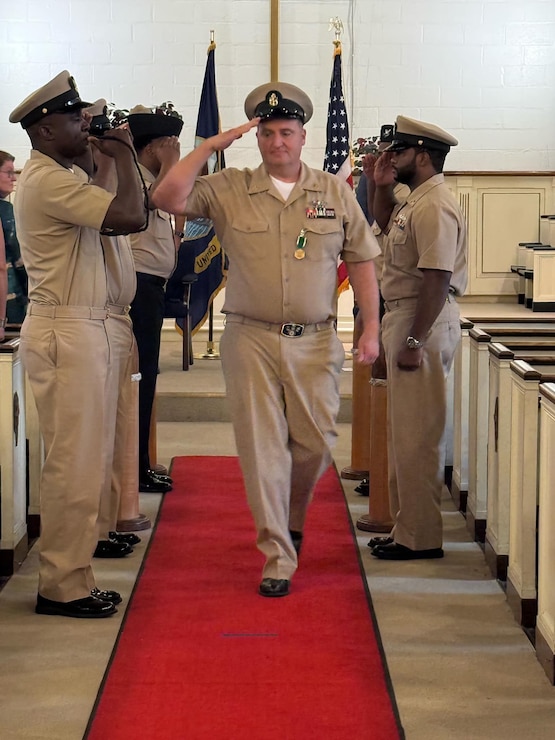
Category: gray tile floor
[461,667]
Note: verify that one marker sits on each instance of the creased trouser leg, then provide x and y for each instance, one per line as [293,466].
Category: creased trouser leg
[283,396]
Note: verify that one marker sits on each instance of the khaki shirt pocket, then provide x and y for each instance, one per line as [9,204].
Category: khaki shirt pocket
[324,239]
[397,247]
[250,236]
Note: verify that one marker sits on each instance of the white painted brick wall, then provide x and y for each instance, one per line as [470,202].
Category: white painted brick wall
[484,69]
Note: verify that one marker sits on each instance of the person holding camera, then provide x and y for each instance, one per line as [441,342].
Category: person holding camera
[71,330]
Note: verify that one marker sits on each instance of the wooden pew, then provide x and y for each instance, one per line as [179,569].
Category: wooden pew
[545,228]
[521,572]
[543,281]
[496,546]
[461,395]
[545,624]
[13,499]
[511,335]
[528,272]
[523,261]
[461,406]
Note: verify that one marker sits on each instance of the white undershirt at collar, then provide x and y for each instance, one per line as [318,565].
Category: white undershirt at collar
[284,188]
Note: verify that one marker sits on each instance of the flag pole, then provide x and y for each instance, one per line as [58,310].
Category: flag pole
[211,352]
[338,160]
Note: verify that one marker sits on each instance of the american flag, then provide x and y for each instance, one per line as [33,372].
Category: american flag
[337,158]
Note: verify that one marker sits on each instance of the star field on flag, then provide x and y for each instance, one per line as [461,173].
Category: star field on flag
[337,159]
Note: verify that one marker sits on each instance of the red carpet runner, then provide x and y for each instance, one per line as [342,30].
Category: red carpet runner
[203,656]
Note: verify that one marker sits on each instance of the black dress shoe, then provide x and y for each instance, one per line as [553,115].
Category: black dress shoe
[127,538]
[380,541]
[161,476]
[112,596]
[394,551]
[150,483]
[111,549]
[274,587]
[297,540]
[88,608]
[363,487]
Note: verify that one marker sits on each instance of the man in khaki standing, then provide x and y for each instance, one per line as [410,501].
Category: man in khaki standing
[424,270]
[70,331]
[284,226]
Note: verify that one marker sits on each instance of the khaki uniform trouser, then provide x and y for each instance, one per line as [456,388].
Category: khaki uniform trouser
[417,409]
[74,367]
[284,397]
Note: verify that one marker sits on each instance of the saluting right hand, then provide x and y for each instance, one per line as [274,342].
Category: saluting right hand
[368,165]
[166,149]
[383,170]
[223,140]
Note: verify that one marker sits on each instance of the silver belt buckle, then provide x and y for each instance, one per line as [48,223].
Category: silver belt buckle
[292,330]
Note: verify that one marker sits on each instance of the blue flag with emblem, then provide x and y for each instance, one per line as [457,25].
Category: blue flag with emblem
[201,259]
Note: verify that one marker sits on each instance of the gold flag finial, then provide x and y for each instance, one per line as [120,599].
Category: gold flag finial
[212,42]
[337,25]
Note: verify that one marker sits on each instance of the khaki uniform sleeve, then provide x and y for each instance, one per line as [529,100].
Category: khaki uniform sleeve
[74,201]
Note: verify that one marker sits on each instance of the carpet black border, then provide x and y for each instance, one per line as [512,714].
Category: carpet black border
[388,681]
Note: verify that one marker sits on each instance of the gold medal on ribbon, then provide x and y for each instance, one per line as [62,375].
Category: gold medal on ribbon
[300,245]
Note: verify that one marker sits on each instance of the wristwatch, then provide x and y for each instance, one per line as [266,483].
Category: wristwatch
[179,234]
[413,343]
[3,323]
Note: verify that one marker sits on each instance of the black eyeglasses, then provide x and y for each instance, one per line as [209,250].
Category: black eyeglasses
[9,173]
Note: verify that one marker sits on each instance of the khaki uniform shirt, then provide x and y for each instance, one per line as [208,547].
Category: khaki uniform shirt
[121,276]
[259,233]
[401,192]
[58,218]
[154,249]
[118,257]
[427,231]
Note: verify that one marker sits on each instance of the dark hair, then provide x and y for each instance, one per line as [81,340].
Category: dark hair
[437,158]
[5,157]
[140,142]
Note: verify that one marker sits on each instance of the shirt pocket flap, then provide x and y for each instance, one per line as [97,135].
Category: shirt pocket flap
[249,226]
[324,226]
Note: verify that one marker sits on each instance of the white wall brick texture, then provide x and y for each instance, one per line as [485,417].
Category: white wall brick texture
[484,69]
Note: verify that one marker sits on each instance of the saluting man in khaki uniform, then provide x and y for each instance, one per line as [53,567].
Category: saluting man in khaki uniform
[71,331]
[424,269]
[283,226]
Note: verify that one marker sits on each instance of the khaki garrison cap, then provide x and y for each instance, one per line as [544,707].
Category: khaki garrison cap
[409,132]
[99,121]
[60,95]
[278,100]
